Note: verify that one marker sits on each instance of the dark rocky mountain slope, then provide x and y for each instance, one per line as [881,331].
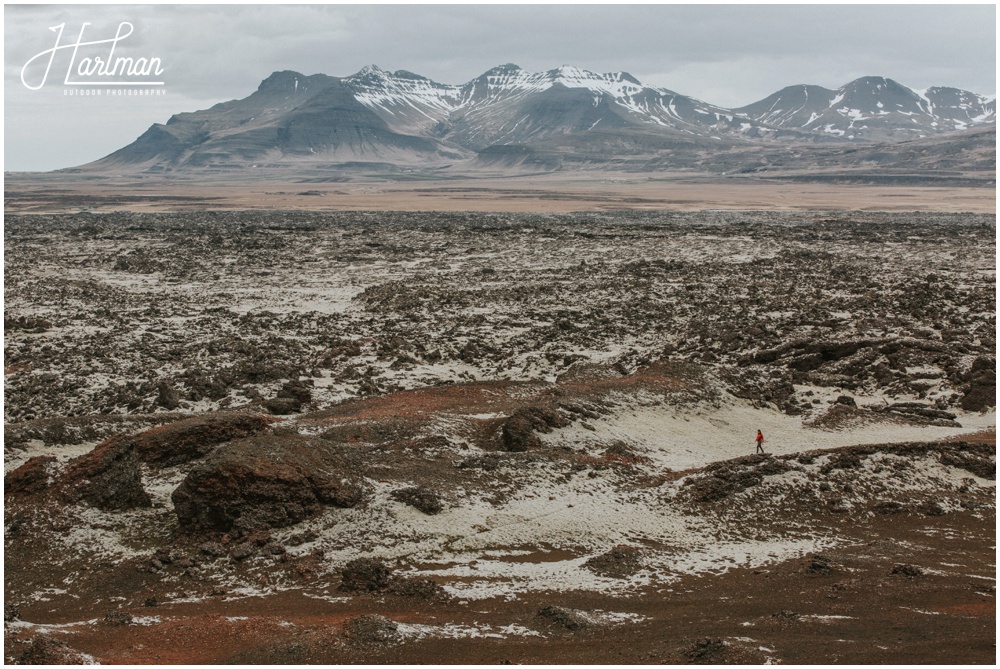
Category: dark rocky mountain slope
[559,119]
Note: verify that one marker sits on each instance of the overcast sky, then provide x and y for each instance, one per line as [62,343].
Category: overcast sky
[729,55]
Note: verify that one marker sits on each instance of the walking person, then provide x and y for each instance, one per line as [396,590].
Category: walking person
[760,442]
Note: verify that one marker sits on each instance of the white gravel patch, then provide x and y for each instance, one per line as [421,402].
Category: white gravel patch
[680,439]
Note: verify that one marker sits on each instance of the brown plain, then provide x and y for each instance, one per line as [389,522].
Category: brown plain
[543,193]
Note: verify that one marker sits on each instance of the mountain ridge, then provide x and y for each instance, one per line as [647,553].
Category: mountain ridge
[407,119]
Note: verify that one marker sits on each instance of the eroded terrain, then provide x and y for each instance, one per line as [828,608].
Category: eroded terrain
[341,437]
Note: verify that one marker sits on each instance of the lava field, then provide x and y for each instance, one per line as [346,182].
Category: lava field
[272,437]
[126,313]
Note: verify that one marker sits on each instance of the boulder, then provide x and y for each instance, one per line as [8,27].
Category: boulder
[419,497]
[282,406]
[908,570]
[374,575]
[980,394]
[167,396]
[243,551]
[421,588]
[517,434]
[365,575]
[707,651]
[571,619]
[267,481]
[979,389]
[819,565]
[291,398]
[619,562]
[212,549]
[301,391]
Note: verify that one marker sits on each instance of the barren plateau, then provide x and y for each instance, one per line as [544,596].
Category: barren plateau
[382,190]
[272,436]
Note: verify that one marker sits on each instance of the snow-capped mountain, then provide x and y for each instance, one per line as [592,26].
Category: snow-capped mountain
[404,118]
[289,118]
[509,105]
[406,101]
[872,108]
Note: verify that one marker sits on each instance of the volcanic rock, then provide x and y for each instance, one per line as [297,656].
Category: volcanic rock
[267,481]
[32,477]
[108,477]
[980,393]
[819,565]
[118,618]
[273,548]
[707,651]
[290,399]
[731,477]
[619,562]
[422,588]
[420,498]
[192,438]
[572,620]
[30,324]
[980,464]
[281,406]
[785,617]
[517,434]
[243,551]
[371,628]
[43,650]
[908,570]
[303,537]
[365,575]
[167,396]
[212,549]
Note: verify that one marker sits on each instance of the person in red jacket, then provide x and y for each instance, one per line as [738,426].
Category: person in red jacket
[760,442]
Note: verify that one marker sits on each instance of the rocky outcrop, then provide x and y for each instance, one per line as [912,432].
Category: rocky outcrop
[517,434]
[980,390]
[193,438]
[108,477]
[290,399]
[619,562]
[419,497]
[724,479]
[32,477]
[372,629]
[265,482]
[44,650]
[571,619]
[365,575]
